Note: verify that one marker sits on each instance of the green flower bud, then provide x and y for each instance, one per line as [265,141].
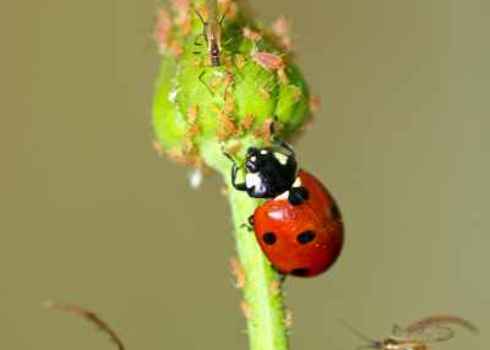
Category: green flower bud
[229,96]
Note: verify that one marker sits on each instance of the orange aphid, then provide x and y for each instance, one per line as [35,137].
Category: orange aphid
[238,272]
[163,27]
[226,126]
[247,122]
[185,159]
[175,48]
[315,103]
[265,131]
[192,114]
[183,20]
[251,34]
[288,318]
[268,60]
[157,147]
[281,28]
[246,310]
[275,287]
[230,7]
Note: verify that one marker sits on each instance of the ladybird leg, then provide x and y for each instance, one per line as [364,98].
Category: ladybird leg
[234,171]
[251,220]
[237,186]
[298,195]
[247,226]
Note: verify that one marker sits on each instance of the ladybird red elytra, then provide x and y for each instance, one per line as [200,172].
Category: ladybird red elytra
[300,239]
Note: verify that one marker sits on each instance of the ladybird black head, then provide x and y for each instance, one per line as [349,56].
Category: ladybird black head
[272,171]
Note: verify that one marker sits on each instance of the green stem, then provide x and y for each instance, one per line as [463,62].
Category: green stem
[262,290]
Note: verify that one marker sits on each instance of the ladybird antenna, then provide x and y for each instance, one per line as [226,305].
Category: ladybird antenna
[372,344]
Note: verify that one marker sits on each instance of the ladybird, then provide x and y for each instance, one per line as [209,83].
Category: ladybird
[300,239]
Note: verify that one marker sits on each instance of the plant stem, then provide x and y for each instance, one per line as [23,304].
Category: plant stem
[262,292]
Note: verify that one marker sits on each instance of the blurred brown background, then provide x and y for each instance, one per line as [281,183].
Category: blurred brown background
[90,215]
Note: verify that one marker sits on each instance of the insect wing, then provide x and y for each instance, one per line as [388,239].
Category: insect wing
[433,334]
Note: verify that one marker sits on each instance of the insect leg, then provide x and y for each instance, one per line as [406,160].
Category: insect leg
[237,186]
[201,75]
[234,172]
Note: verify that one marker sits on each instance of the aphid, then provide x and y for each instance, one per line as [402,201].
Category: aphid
[268,60]
[418,335]
[281,28]
[163,27]
[212,32]
[299,228]
[251,34]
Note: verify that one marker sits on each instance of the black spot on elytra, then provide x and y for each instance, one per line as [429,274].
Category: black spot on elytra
[334,209]
[305,237]
[301,272]
[269,238]
[298,195]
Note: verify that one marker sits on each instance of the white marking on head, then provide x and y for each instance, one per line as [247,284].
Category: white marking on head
[282,158]
[297,182]
[254,181]
[264,151]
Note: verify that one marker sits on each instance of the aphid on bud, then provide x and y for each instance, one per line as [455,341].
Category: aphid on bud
[212,32]
[281,28]
[418,335]
[251,34]
[161,32]
[268,60]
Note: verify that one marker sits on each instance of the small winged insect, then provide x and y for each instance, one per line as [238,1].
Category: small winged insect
[212,32]
[418,335]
